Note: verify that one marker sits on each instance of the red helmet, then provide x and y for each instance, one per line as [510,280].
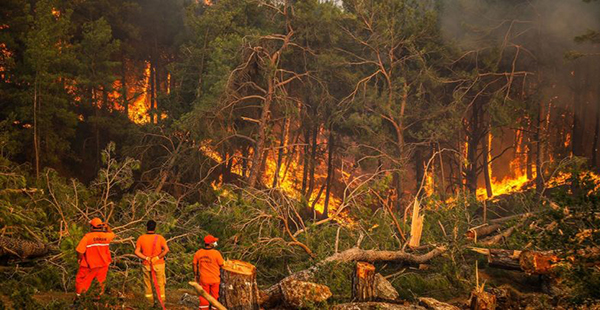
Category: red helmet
[210,239]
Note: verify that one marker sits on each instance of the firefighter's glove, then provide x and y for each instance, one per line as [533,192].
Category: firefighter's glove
[154,259]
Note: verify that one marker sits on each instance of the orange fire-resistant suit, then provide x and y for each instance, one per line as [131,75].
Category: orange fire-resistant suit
[95,261]
[151,245]
[207,262]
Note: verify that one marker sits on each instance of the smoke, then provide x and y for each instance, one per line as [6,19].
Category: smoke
[554,22]
[545,32]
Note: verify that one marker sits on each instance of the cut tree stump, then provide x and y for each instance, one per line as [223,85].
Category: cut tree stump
[238,290]
[363,282]
[481,300]
[433,304]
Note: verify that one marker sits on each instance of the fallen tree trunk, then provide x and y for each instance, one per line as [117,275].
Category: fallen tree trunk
[531,262]
[511,217]
[353,254]
[499,237]
[375,306]
[215,303]
[356,254]
[296,294]
[482,231]
[433,304]
[238,289]
[505,259]
[537,262]
[18,248]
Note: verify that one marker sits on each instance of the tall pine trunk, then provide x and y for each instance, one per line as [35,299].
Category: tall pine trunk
[36,143]
[280,153]
[539,180]
[259,146]
[330,172]
[487,163]
[312,160]
[596,135]
[305,160]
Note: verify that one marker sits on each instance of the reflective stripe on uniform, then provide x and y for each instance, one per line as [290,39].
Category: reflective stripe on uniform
[97,244]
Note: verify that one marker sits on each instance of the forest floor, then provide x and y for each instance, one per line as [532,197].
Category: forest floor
[520,282]
[132,301]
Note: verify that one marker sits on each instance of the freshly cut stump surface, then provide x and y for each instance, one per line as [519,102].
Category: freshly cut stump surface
[238,290]
[363,282]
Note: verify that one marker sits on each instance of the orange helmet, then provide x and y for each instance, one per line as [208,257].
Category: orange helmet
[96,222]
[210,239]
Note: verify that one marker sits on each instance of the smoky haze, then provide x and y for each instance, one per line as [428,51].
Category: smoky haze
[556,22]
[564,87]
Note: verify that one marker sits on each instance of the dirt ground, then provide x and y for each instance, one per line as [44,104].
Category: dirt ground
[129,302]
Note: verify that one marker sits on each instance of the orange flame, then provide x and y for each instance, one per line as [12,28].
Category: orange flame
[138,109]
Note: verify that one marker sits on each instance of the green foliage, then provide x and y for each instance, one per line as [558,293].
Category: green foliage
[338,277]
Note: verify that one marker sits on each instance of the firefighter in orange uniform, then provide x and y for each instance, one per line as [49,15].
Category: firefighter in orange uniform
[94,257]
[207,269]
[152,248]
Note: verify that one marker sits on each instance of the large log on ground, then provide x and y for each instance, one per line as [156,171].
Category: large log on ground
[357,254]
[384,290]
[506,259]
[375,306]
[18,248]
[482,231]
[531,262]
[363,282]
[238,290]
[433,304]
[499,237]
[299,294]
[537,263]
[352,254]
[294,293]
[481,300]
